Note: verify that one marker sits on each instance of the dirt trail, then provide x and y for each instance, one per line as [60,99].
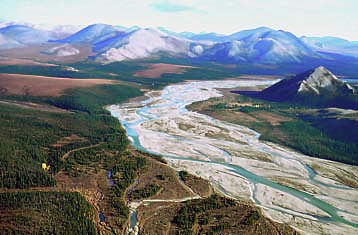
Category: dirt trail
[188,188]
[66,155]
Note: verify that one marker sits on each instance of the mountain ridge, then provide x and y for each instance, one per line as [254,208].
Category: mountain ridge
[144,43]
[92,34]
[110,43]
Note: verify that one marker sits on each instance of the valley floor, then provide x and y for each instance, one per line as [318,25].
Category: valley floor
[92,183]
[241,166]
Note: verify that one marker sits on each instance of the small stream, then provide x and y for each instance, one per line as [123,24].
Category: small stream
[109,178]
[102,218]
[133,220]
[172,99]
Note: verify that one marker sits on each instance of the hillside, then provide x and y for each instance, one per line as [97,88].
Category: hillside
[27,35]
[267,47]
[92,34]
[145,43]
[332,44]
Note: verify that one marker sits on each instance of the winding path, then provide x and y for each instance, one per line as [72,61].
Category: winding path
[66,155]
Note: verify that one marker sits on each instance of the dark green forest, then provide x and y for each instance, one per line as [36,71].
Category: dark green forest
[124,172]
[188,214]
[28,136]
[65,213]
[148,191]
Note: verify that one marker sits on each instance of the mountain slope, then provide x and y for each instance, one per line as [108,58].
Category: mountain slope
[211,37]
[247,33]
[92,34]
[62,50]
[332,45]
[26,35]
[60,31]
[215,37]
[278,49]
[144,43]
[317,87]
[7,43]
[268,47]
[186,35]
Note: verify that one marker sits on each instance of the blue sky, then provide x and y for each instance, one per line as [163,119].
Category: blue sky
[303,17]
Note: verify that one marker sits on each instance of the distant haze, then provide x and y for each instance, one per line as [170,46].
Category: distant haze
[305,17]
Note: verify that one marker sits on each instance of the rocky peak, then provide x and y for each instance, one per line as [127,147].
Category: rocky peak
[321,78]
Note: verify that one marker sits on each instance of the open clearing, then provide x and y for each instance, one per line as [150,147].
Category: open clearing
[17,84]
[35,52]
[157,70]
[30,105]
[14,61]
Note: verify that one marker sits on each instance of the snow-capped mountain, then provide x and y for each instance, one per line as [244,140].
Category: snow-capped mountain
[263,46]
[26,35]
[93,34]
[144,43]
[332,45]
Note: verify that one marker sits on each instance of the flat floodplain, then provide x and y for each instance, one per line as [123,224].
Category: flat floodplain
[237,163]
[18,84]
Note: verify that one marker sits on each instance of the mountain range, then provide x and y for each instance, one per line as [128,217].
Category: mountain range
[116,43]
